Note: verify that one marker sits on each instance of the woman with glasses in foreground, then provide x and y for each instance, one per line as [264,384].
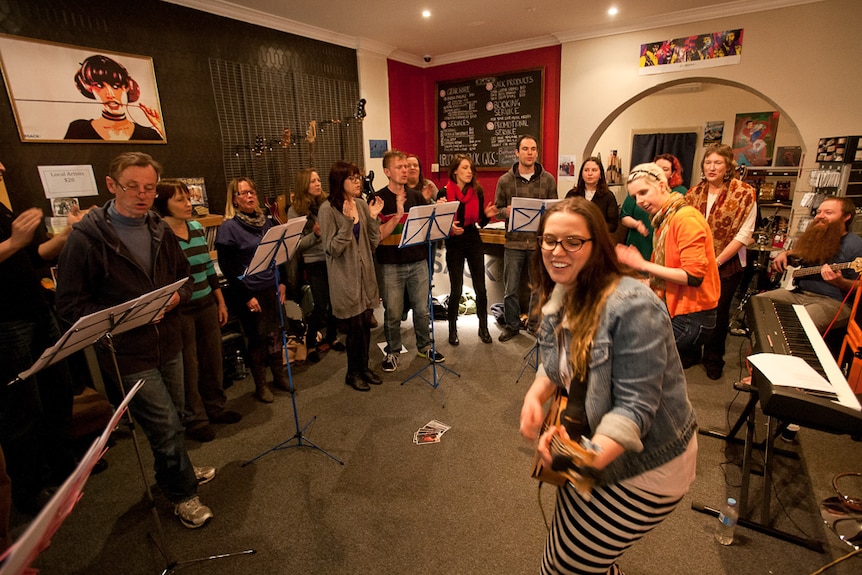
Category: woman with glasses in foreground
[683,271]
[626,393]
[252,297]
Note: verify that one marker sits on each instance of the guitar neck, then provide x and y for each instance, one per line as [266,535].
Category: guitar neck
[802,272]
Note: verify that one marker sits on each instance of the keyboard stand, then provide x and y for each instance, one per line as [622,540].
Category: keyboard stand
[749,418]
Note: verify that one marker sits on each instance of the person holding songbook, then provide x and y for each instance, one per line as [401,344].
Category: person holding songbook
[626,394]
[253,297]
[349,232]
[465,243]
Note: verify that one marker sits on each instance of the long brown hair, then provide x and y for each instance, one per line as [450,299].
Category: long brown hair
[453,167]
[303,202]
[601,185]
[585,301]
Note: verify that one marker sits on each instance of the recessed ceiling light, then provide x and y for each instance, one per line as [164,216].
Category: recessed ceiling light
[612,11]
[426,13]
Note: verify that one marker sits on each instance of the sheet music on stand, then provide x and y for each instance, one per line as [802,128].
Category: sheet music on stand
[38,535]
[88,329]
[526,213]
[428,223]
[278,243]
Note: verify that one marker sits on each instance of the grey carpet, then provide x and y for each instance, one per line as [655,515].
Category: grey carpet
[463,506]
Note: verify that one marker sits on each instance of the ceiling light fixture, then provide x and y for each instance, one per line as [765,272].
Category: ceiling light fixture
[612,11]
[426,13]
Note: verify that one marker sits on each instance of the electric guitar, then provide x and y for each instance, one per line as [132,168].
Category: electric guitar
[790,274]
[568,449]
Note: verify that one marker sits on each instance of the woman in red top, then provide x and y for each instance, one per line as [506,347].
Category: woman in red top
[464,243]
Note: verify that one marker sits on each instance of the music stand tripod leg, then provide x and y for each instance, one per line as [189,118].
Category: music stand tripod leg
[531,359]
[299,435]
[158,538]
[435,382]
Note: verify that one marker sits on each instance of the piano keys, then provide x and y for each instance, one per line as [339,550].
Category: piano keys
[788,330]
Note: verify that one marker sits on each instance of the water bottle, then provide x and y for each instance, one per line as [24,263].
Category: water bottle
[727,522]
[239,366]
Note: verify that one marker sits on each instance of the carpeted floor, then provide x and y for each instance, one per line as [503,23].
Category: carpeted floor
[463,506]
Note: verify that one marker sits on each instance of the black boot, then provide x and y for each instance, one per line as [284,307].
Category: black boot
[483,330]
[453,333]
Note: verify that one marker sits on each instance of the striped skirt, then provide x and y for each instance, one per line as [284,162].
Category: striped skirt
[587,537]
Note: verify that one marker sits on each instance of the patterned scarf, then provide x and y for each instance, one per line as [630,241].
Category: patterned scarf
[729,211]
[253,220]
[661,224]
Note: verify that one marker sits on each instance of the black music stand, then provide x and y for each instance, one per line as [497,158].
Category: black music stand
[424,225]
[278,246]
[526,214]
[102,326]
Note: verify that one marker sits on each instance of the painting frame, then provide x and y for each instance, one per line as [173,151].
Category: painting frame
[56,89]
[754,136]
[788,156]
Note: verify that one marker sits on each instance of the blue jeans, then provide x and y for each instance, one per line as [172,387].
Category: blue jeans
[395,279]
[157,407]
[514,262]
[691,330]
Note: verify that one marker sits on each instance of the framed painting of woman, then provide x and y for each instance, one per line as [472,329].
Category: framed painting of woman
[63,93]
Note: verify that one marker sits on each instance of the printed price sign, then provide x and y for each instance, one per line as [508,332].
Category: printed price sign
[68,181]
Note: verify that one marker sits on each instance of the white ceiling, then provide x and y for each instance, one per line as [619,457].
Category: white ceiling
[461,30]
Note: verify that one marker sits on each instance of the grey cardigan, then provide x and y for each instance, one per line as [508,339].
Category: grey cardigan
[350,263]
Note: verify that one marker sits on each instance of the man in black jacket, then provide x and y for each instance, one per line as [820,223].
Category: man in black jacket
[116,253]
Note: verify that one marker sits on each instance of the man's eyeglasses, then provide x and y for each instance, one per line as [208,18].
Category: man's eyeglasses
[634,175]
[245,193]
[136,190]
[571,244]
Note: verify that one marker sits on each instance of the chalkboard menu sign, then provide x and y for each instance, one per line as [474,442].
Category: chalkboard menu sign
[483,117]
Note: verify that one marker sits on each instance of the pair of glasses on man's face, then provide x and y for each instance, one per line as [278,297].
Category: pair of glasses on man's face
[571,244]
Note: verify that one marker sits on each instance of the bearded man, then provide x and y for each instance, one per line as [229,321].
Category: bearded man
[826,241]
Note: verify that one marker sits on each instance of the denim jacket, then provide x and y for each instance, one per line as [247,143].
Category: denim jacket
[636,392]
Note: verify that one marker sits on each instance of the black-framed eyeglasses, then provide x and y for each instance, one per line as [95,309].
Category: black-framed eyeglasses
[634,175]
[571,244]
[245,193]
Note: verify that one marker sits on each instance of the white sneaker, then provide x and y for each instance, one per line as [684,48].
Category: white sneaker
[390,362]
[204,474]
[193,513]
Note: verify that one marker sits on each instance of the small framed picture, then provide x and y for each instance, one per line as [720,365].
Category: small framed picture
[63,206]
[788,156]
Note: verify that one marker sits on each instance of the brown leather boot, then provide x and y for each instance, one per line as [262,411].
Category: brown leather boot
[279,375]
[257,359]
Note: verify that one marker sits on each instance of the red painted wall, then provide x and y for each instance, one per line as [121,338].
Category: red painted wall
[412,105]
